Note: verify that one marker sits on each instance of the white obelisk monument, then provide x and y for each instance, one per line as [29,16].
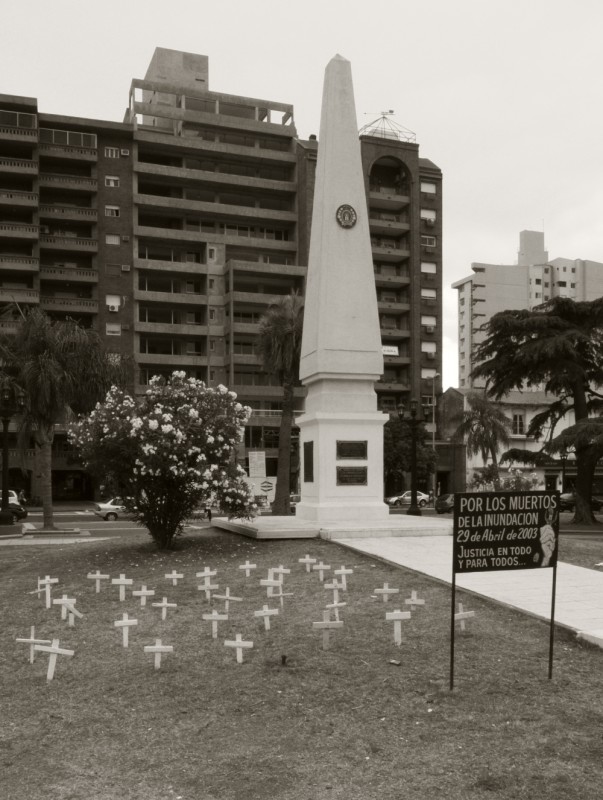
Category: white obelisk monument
[341,430]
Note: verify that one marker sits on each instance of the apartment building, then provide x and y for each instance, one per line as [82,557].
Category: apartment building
[532,281]
[171,232]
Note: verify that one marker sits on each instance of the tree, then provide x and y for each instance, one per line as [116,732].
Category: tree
[169,452]
[280,349]
[484,428]
[557,347]
[397,442]
[63,370]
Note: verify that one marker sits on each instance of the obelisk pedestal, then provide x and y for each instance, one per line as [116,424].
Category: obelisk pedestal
[341,430]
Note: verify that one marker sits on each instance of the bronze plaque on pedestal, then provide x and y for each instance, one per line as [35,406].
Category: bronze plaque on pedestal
[352,476]
[352,449]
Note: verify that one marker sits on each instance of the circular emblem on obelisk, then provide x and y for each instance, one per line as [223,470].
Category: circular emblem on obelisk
[346,216]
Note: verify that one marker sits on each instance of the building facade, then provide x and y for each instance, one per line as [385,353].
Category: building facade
[171,232]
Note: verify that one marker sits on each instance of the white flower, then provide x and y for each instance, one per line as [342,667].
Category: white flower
[153,424]
[167,428]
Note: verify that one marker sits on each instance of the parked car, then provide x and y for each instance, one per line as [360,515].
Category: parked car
[567,502]
[18,511]
[444,503]
[110,510]
[404,499]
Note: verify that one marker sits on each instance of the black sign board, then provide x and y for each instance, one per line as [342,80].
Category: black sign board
[505,530]
[352,476]
[356,450]
[309,462]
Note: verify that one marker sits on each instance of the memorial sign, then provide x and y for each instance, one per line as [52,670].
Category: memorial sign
[496,531]
[309,462]
[357,450]
[352,476]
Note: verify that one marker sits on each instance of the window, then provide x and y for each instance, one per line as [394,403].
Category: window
[112,211]
[429,267]
[428,374]
[519,424]
[113,329]
[211,283]
[428,347]
[212,314]
[112,180]
[113,269]
[429,294]
[428,187]
[212,344]
[428,241]
[112,238]
[426,319]
[538,282]
[111,152]
[428,214]
[563,284]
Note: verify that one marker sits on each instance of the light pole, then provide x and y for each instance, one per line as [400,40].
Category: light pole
[412,421]
[11,402]
[433,436]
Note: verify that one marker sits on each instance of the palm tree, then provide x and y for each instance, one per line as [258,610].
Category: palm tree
[483,427]
[280,348]
[62,370]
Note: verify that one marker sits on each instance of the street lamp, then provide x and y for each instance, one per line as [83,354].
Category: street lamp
[11,402]
[433,435]
[412,421]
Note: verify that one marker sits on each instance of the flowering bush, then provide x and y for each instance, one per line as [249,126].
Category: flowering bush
[514,481]
[168,452]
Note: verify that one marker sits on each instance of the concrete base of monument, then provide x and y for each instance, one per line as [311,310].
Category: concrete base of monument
[293,528]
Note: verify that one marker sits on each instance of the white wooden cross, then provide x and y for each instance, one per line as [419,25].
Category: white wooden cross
[321,568]
[96,576]
[335,586]
[164,605]
[125,623]
[228,598]
[343,572]
[206,574]
[73,613]
[282,571]
[461,616]
[413,601]
[158,649]
[266,613]
[271,577]
[270,584]
[47,584]
[386,591]
[397,617]
[308,561]
[143,593]
[214,618]
[239,645]
[208,588]
[327,625]
[122,582]
[54,650]
[32,641]
[63,601]
[174,577]
[336,605]
[248,567]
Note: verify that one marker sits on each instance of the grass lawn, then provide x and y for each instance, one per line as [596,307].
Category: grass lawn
[343,724]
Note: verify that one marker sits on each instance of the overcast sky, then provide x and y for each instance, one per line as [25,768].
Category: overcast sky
[503,95]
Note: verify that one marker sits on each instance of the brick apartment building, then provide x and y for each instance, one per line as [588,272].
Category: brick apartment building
[171,232]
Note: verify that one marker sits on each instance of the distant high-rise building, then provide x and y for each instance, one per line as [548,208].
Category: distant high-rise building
[529,283]
[171,232]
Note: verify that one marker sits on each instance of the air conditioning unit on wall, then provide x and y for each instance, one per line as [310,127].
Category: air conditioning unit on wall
[114,309]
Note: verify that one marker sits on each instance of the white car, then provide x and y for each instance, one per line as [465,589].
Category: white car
[110,510]
[404,499]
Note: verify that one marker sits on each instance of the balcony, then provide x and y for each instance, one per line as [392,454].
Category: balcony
[63,151]
[68,213]
[181,298]
[190,360]
[240,359]
[387,197]
[253,298]
[395,308]
[385,386]
[19,263]
[12,198]
[74,182]
[392,280]
[172,329]
[18,126]
[18,166]
[264,268]
[215,178]
[69,243]
[70,274]
[8,295]
[387,224]
[19,230]
[183,267]
[389,253]
[78,305]
[395,333]
[243,390]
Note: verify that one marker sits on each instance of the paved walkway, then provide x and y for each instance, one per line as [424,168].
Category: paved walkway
[579,596]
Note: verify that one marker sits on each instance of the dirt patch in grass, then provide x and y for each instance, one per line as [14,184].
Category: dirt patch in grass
[342,723]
